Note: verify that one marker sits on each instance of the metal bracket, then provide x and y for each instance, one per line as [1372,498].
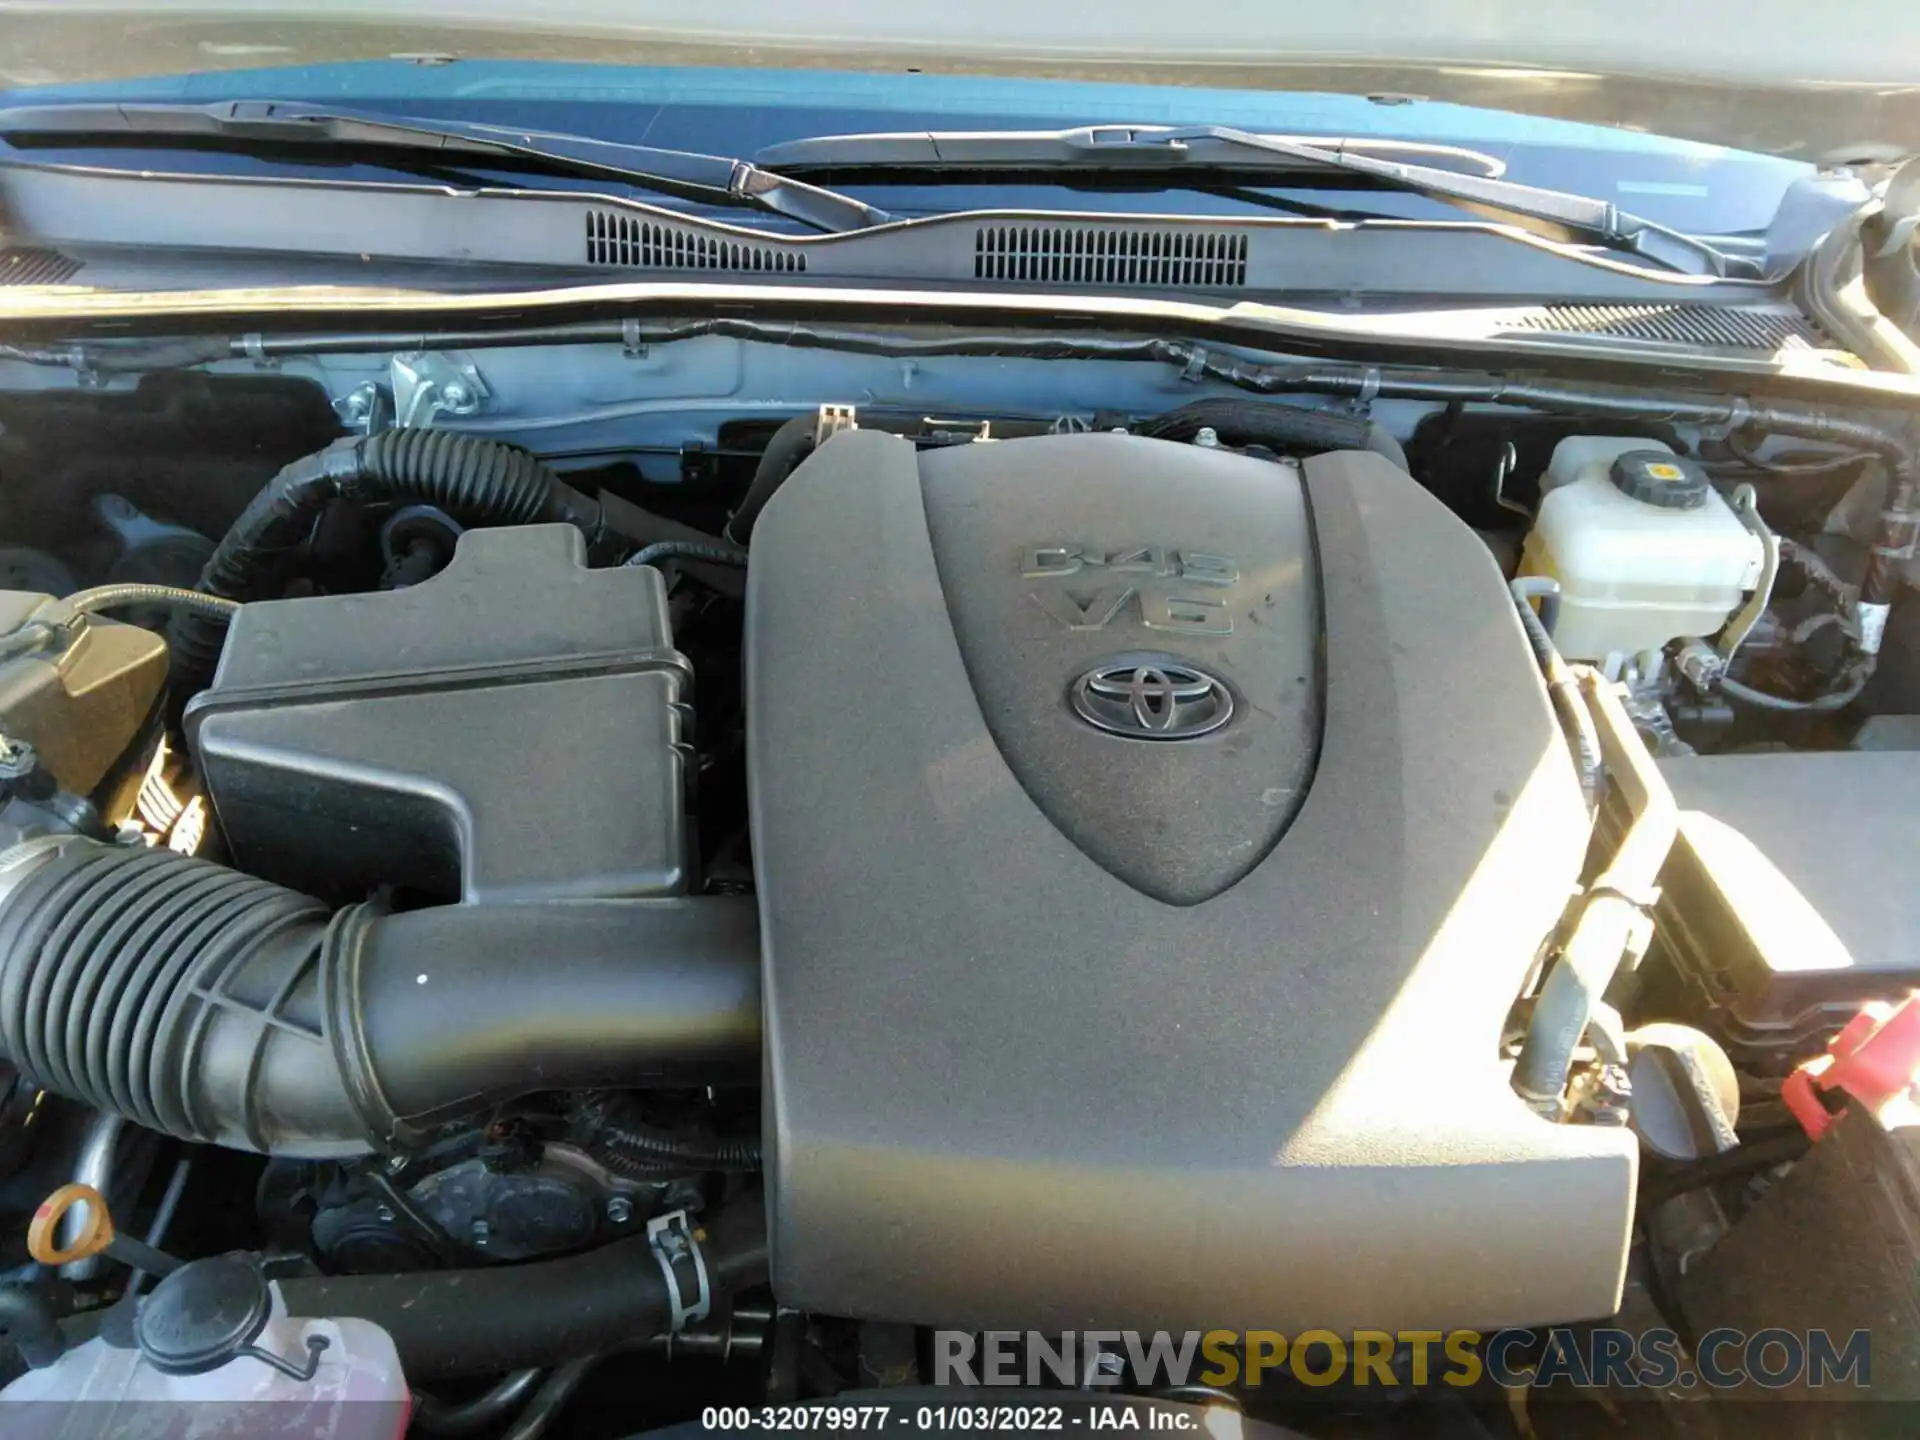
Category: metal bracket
[1503,468]
[1747,507]
[831,421]
[678,1251]
[980,429]
[365,408]
[428,384]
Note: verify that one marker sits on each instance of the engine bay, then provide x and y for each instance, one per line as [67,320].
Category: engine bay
[551,862]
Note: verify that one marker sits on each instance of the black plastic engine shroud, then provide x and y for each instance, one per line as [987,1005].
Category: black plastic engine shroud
[1071,1028]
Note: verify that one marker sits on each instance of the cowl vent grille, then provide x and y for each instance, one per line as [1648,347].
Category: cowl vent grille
[1074,255]
[36,267]
[1683,324]
[637,244]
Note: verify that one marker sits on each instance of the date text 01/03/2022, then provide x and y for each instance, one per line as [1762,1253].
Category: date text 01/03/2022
[995,1418]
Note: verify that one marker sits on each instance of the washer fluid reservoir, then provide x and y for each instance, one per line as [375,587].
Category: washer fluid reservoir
[212,1351]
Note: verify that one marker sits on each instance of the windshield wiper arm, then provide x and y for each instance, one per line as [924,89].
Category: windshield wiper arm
[1468,178]
[717,178]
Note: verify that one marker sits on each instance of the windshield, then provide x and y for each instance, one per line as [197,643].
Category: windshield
[1682,185]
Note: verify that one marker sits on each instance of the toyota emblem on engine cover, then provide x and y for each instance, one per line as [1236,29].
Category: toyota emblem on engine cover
[1152,697]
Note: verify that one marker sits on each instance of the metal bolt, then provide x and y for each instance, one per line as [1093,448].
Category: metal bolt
[1207,438]
[455,394]
[480,1232]
[619,1209]
[385,1212]
[359,405]
[396,1164]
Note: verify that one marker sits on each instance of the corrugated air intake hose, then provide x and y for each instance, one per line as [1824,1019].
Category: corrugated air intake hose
[212,1006]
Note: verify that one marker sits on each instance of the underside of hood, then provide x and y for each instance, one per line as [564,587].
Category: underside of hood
[1781,76]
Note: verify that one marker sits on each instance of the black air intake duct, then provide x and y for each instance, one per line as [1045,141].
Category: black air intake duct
[209,1005]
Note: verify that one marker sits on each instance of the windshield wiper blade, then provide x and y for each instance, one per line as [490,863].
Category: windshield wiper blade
[1459,176]
[1134,147]
[716,178]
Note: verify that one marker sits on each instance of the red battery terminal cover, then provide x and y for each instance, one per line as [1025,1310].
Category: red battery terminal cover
[1874,1060]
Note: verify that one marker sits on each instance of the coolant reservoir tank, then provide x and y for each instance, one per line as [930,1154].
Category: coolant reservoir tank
[1645,549]
[213,1343]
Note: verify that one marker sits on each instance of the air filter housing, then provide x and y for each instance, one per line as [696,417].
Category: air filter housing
[512,729]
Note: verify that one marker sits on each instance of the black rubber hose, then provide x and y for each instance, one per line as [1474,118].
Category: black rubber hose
[1284,427]
[477,481]
[1824,465]
[1583,740]
[1848,692]
[790,444]
[447,1323]
[215,1007]
[625,994]
[550,1399]
[1679,1177]
[433,1416]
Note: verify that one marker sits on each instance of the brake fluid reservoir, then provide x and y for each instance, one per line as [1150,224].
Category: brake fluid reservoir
[1645,549]
[213,1351]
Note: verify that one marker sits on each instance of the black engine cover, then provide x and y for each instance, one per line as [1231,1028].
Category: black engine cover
[1151,842]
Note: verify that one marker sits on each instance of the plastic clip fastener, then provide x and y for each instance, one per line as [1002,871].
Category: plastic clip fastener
[832,420]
